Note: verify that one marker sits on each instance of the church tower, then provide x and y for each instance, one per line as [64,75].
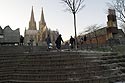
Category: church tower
[112,29]
[32,23]
[42,22]
[43,31]
[30,35]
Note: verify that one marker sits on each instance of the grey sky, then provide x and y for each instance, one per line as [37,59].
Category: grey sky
[16,13]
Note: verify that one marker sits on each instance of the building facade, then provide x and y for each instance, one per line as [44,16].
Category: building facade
[34,37]
[9,36]
[106,35]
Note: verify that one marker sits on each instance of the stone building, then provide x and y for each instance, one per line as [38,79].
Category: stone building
[9,36]
[37,37]
[110,34]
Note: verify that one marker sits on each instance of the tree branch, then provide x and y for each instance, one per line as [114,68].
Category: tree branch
[74,5]
[119,6]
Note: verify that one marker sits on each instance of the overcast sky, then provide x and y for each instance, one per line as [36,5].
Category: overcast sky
[16,14]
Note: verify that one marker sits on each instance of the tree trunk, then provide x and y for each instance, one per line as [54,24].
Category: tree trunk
[74,14]
[96,39]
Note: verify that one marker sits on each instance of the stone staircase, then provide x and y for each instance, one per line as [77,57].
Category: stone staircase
[62,67]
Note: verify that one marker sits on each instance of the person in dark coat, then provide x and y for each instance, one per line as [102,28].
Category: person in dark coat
[21,40]
[48,41]
[58,42]
[72,42]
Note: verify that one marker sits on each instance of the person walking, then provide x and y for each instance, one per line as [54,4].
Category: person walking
[21,40]
[48,41]
[72,42]
[58,42]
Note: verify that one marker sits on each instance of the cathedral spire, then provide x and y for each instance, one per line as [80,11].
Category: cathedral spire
[42,17]
[32,15]
[42,22]
[32,23]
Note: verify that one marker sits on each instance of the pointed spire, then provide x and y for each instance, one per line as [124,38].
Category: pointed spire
[25,32]
[25,29]
[42,17]
[32,23]
[32,15]
[42,22]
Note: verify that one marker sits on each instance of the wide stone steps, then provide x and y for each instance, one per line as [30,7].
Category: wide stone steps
[93,80]
[61,67]
[114,62]
[62,78]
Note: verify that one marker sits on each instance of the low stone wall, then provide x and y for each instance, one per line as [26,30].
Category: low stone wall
[21,49]
[119,48]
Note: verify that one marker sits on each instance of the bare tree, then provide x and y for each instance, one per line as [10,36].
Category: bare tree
[92,32]
[74,6]
[122,25]
[88,31]
[119,6]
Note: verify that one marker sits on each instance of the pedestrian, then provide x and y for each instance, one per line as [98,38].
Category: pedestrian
[72,42]
[58,42]
[85,42]
[81,42]
[21,40]
[48,42]
[85,38]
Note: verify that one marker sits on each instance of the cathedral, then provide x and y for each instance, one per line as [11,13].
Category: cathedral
[35,37]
